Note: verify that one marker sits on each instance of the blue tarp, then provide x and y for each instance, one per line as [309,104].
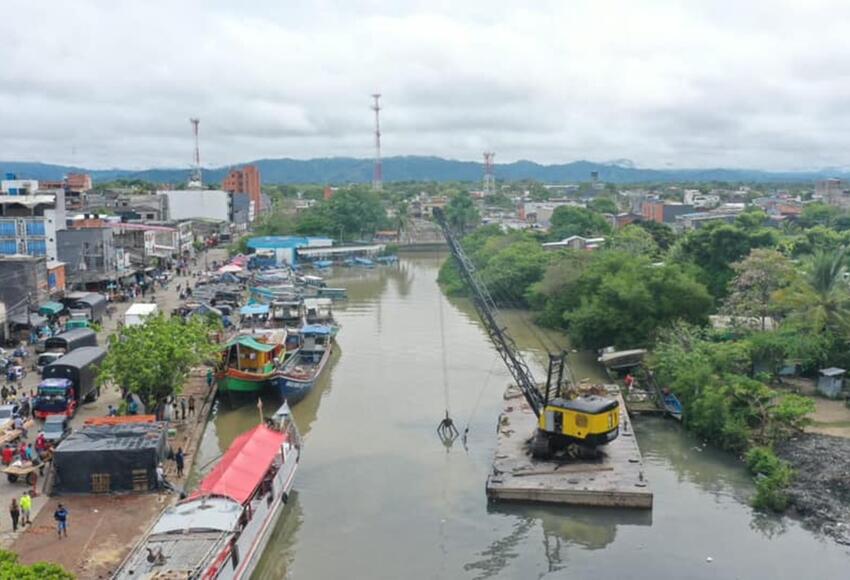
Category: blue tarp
[323,263]
[315,329]
[252,309]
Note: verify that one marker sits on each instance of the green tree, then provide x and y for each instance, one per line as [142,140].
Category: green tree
[461,212]
[626,299]
[153,359]
[569,221]
[820,299]
[634,240]
[757,278]
[818,213]
[663,234]
[603,205]
[511,271]
[11,568]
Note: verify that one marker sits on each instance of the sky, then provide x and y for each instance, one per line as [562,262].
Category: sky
[664,84]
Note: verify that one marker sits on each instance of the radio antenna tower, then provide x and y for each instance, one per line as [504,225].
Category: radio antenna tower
[489,175]
[378,177]
[195,181]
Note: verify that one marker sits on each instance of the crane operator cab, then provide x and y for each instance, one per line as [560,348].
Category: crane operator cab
[577,425]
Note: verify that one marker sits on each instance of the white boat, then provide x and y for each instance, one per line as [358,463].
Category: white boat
[221,530]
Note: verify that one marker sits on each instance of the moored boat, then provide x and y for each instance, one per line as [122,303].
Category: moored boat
[249,361]
[221,530]
[301,371]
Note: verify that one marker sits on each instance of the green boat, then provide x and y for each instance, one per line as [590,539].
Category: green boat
[249,361]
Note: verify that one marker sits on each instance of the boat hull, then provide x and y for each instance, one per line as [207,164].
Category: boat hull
[294,388]
[242,382]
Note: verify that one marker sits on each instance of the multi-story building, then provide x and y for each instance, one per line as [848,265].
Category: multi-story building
[77,183]
[14,186]
[23,282]
[191,204]
[664,212]
[245,180]
[833,192]
[29,223]
[89,254]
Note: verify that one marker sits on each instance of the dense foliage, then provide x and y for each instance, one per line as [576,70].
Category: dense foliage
[569,221]
[11,568]
[153,359]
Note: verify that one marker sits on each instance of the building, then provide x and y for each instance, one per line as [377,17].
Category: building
[540,213]
[833,192]
[89,255]
[24,281]
[245,180]
[576,243]
[243,209]
[29,223]
[664,212]
[284,247]
[189,204]
[697,220]
[77,183]
[14,186]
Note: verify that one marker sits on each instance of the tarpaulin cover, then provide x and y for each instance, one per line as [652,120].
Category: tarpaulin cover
[114,450]
[249,342]
[50,308]
[251,309]
[319,329]
[243,466]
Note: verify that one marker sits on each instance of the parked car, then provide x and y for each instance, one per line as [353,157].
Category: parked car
[56,428]
[7,415]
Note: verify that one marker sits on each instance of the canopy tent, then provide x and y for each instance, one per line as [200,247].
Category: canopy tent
[50,308]
[244,465]
[254,309]
[250,342]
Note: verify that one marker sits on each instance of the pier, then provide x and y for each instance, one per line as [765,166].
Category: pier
[617,479]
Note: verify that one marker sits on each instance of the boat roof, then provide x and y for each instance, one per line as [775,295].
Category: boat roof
[243,466]
[250,342]
[199,514]
[254,309]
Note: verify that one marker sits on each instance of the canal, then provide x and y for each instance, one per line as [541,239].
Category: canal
[378,496]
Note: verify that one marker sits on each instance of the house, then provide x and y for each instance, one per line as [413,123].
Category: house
[575,243]
[831,382]
[89,253]
[664,212]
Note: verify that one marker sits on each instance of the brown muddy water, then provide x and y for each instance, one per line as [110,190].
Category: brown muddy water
[378,496]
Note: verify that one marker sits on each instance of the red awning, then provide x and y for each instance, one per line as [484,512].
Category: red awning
[243,466]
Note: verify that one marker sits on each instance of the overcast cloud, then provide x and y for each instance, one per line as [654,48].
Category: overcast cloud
[665,84]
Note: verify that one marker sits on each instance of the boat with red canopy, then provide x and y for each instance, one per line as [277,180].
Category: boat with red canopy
[221,530]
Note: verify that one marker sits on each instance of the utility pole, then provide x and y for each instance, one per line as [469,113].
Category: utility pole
[489,175]
[196,182]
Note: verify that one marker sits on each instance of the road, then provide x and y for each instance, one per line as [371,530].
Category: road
[167,299]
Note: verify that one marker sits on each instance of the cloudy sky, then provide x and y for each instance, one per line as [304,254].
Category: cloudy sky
[663,83]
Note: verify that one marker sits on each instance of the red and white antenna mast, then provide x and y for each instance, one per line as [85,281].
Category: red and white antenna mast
[489,173]
[378,177]
[195,182]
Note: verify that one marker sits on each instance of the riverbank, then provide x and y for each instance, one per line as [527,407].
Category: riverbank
[103,529]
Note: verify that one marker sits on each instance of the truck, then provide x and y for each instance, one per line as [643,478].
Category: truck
[138,312]
[92,304]
[55,347]
[69,382]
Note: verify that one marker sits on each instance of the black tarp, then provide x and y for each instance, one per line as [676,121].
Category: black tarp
[114,450]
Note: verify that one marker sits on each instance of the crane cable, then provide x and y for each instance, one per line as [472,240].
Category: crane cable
[496,359]
[446,429]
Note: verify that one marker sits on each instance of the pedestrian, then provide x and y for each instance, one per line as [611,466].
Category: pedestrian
[183,408]
[109,411]
[61,517]
[191,405]
[26,507]
[174,414]
[4,393]
[30,452]
[15,512]
[19,425]
[160,477]
[209,378]
[178,459]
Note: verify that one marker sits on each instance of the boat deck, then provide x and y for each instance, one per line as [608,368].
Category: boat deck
[617,479]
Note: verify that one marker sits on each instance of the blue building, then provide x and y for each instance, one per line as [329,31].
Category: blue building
[284,248]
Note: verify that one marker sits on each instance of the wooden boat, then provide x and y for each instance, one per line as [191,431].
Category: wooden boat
[301,371]
[673,406]
[249,361]
[222,529]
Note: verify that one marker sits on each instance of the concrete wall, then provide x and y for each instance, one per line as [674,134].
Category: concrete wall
[198,204]
[92,247]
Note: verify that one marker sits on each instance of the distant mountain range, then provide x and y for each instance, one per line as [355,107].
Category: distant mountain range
[341,170]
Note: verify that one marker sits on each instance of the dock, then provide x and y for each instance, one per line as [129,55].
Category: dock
[617,479]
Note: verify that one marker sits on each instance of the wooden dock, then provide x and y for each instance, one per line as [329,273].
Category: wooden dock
[616,479]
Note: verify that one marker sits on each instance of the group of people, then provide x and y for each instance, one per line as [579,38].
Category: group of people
[20,511]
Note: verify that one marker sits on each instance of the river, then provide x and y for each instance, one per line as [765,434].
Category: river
[378,496]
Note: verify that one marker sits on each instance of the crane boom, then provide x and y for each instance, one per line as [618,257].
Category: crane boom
[486,308]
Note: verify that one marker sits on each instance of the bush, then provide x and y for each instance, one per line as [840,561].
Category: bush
[773,476]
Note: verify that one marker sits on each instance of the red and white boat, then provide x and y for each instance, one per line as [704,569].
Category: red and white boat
[221,530]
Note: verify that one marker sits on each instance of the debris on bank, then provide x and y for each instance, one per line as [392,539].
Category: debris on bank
[820,490]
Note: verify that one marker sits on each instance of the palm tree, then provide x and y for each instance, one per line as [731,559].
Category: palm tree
[822,299]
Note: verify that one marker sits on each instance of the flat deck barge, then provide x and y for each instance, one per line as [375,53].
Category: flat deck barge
[617,479]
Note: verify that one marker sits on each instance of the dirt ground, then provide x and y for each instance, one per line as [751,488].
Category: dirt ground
[101,532]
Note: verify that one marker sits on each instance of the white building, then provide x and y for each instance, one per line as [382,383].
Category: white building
[188,204]
[18,186]
[28,223]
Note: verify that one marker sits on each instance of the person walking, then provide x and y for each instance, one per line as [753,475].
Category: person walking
[179,460]
[210,377]
[15,512]
[61,517]
[191,405]
[160,477]
[26,508]
[183,408]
